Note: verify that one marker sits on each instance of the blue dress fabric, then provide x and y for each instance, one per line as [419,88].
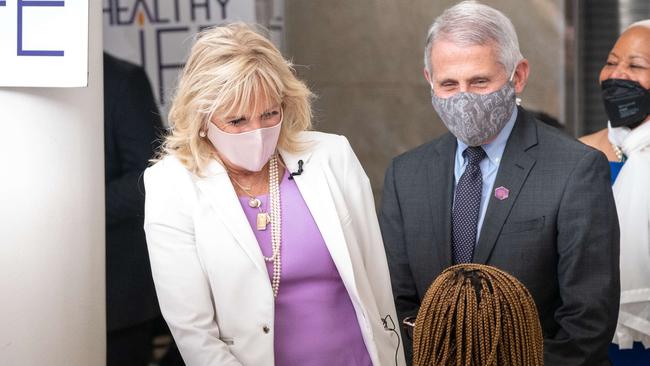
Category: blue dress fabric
[615,168]
[637,356]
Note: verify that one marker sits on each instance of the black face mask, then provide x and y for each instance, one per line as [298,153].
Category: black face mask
[626,102]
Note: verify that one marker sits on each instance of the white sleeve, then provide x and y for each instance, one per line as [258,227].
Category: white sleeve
[361,205]
[181,284]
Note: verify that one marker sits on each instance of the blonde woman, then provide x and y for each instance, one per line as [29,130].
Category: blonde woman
[264,244]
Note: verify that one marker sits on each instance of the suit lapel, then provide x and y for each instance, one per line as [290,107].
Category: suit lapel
[513,172]
[441,183]
[218,189]
[315,190]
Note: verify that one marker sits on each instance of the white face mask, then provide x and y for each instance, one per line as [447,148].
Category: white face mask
[247,150]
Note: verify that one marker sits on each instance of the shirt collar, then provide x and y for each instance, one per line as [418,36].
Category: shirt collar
[494,150]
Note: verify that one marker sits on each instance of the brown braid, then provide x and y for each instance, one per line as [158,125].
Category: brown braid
[477,315]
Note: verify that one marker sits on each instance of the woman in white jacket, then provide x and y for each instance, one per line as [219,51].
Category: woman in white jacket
[264,243]
[625,83]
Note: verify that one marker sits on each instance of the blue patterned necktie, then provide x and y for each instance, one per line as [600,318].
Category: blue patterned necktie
[467,203]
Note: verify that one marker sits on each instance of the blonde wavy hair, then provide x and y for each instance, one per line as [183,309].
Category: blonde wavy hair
[233,70]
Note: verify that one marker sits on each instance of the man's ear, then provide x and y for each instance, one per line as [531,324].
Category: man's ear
[426,76]
[520,78]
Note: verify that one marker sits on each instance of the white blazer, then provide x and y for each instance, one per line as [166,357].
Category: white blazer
[210,276]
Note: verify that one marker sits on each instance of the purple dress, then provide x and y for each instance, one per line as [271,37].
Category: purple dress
[315,321]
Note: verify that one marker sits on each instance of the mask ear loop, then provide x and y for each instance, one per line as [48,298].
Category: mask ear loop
[512,74]
[510,80]
[646,102]
[281,112]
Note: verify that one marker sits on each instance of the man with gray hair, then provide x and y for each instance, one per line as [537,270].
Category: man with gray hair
[505,190]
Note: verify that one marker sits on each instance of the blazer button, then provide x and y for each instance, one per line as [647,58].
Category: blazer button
[266,329]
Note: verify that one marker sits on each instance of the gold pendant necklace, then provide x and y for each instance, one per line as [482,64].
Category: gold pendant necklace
[274,218]
[263,218]
[253,202]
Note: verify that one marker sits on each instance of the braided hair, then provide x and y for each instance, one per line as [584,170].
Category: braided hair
[475,315]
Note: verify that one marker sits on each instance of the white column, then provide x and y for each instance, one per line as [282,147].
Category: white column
[52,306]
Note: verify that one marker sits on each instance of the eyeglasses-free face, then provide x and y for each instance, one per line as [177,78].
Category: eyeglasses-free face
[269,117]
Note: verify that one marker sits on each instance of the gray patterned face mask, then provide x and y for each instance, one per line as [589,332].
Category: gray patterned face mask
[476,118]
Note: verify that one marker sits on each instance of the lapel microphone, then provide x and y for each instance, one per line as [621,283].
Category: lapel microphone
[298,172]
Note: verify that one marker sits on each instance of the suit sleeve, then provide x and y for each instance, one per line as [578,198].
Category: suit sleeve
[136,125]
[181,284]
[588,267]
[405,294]
[362,207]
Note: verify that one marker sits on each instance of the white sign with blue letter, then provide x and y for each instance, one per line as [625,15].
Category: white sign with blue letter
[44,43]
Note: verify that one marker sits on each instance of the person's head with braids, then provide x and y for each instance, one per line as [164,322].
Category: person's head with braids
[475,314]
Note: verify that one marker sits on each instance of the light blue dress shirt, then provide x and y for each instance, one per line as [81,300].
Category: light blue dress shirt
[489,165]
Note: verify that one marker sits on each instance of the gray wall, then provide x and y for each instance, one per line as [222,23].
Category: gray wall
[364,60]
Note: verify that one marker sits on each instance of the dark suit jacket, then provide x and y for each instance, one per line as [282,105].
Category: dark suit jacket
[131,126]
[557,232]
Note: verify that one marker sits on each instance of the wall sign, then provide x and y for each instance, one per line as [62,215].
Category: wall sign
[44,43]
[158,34]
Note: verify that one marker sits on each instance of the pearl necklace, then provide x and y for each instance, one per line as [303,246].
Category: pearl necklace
[276,224]
[275,218]
[619,153]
